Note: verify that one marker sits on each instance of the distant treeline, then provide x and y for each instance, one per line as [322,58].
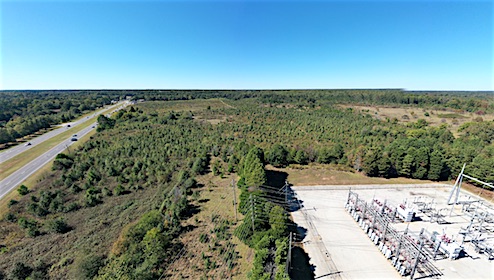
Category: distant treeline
[471,101]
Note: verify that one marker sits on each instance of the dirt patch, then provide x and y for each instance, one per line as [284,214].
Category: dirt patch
[327,174]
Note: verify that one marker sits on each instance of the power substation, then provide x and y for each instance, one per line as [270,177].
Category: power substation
[399,231]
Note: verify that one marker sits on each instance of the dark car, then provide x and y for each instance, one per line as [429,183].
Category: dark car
[73,139]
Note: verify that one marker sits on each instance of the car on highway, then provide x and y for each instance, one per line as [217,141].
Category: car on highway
[27,144]
[75,135]
[73,139]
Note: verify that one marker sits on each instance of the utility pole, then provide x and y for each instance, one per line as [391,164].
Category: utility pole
[289,256]
[252,208]
[286,191]
[234,200]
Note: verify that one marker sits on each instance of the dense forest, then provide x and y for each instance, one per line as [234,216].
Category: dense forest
[115,207]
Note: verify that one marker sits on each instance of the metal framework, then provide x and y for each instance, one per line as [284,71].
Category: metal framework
[481,228]
[455,191]
[409,252]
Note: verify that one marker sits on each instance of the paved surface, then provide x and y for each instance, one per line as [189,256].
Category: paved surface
[16,178]
[18,149]
[338,247]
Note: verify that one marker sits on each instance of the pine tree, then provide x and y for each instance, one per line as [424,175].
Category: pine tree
[435,166]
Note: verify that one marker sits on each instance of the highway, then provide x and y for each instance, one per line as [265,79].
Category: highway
[14,151]
[20,175]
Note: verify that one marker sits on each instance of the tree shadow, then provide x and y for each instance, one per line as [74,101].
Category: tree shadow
[188,228]
[301,233]
[276,179]
[190,211]
[300,266]
[295,204]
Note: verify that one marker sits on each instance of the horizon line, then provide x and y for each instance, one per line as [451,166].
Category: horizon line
[245,89]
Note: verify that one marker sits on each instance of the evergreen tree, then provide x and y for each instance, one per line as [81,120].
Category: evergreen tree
[436,166]
[256,175]
[422,162]
[371,162]
[278,155]
[301,157]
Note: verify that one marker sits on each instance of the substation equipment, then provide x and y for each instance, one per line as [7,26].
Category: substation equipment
[413,253]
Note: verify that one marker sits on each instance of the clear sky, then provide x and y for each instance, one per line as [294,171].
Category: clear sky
[416,45]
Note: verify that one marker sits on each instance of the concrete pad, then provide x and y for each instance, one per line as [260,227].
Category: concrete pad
[339,248]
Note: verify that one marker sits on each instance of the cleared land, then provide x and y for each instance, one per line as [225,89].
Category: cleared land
[434,117]
[196,106]
[328,174]
[184,105]
[331,229]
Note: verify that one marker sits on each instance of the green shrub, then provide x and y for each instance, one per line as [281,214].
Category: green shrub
[107,192]
[31,227]
[12,202]
[23,190]
[87,266]
[92,197]
[58,226]
[119,190]
[20,271]
[11,217]
[71,207]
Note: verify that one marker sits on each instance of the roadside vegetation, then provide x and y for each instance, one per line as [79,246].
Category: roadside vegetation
[127,203]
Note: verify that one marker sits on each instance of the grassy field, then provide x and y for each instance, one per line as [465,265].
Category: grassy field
[10,166]
[435,117]
[184,105]
[195,106]
[215,200]
[322,174]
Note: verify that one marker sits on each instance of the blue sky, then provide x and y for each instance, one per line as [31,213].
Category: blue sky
[416,45]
